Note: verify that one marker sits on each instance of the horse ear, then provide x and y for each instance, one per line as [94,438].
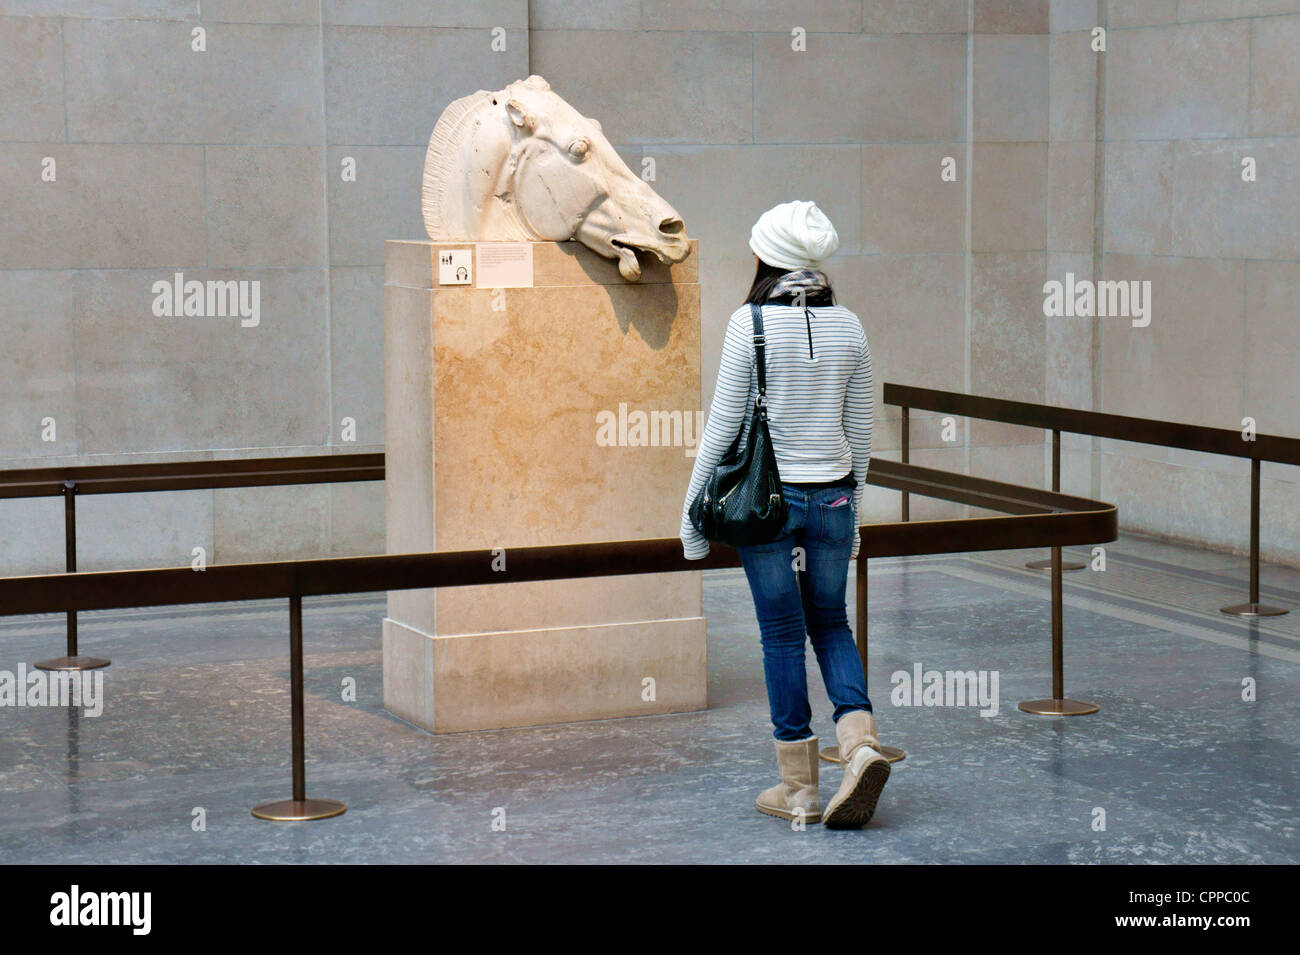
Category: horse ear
[520,116]
[595,122]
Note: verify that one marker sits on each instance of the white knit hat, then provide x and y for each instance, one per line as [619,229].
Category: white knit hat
[793,235]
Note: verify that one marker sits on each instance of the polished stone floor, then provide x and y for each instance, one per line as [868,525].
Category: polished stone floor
[1178,766]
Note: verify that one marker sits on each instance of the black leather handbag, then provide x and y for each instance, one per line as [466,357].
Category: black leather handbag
[741,503]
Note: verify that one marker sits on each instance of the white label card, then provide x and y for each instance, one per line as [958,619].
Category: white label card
[505,265]
[455,266]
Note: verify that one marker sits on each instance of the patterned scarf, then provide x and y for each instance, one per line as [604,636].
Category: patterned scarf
[807,280]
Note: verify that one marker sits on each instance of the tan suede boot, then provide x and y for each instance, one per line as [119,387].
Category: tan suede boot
[797,789]
[865,772]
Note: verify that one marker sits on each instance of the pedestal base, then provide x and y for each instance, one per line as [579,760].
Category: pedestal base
[478,681]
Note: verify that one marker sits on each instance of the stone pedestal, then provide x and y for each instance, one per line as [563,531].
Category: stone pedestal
[494,404]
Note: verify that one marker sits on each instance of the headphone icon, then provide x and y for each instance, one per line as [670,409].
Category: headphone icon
[462,274]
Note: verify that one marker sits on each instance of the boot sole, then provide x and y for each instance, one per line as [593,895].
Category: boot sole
[860,804]
[810,817]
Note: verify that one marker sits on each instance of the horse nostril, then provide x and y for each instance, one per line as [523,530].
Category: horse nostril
[671,226]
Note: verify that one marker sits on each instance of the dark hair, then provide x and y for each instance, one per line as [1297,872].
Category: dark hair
[765,278]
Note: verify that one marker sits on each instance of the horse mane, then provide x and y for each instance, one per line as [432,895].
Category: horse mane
[446,137]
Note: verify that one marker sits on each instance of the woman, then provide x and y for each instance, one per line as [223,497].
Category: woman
[819,406]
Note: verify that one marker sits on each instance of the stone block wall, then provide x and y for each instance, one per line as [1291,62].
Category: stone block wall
[233,164]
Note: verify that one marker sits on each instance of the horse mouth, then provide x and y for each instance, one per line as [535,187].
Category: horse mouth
[625,248]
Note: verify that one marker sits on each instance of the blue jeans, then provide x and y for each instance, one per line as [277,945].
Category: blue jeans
[790,603]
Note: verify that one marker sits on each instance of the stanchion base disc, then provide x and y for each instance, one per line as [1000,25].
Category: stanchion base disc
[892,753]
[1047,565]
[1058,707]
[1249,610]
[72,663]
[292,810]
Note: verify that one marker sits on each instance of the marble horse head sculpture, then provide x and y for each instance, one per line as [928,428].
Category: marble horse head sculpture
[521,163]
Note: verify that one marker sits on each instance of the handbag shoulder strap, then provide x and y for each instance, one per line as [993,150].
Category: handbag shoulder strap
[760,355]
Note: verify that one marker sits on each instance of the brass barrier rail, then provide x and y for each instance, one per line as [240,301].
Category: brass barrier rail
[1030,518]
[1169,434]
[68,482]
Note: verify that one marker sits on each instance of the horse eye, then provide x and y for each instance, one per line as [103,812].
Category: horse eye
[579,148]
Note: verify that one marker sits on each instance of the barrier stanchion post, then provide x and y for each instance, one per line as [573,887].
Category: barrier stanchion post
[1058,705]
[907,441]
[892,753]
[299,808]
[1056,488]
[73,660]
[1254,608]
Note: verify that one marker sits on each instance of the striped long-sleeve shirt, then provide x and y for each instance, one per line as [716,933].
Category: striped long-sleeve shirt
[819,401]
